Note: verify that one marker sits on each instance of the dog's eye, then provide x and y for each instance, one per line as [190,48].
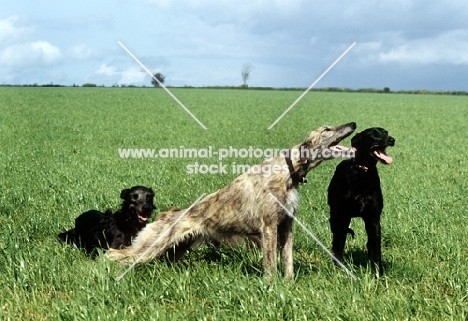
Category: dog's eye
[135,196]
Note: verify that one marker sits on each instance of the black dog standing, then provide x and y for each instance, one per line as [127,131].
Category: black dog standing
[94,229]
[354,191]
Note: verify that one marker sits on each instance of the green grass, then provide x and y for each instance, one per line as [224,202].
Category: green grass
[59,157]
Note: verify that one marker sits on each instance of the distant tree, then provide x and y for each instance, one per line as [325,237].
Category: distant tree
[386,90]
[246,70]
[159,76]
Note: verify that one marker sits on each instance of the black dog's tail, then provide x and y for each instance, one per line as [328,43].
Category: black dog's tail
[350,231]
[69,236]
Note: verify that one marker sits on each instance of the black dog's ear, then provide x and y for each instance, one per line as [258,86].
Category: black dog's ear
[356,140]
[124,193]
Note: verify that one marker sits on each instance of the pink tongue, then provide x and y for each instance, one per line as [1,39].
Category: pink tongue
[144,219]
[384,157]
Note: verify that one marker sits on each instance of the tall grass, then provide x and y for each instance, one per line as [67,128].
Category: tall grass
[59,157]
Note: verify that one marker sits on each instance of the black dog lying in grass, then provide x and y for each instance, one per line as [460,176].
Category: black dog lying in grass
[94,229]
[354,191]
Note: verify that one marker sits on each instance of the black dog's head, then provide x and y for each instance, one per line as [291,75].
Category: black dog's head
[371,144]
[138,201]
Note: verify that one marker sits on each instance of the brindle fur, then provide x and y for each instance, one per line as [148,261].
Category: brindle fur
[244,207]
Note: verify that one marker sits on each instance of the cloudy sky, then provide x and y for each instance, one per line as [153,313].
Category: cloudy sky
[401,44]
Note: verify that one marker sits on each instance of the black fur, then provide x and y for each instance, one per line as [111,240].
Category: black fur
[94,229]
[354,191]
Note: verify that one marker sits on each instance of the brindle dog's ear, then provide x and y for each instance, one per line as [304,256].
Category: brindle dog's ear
[124,193]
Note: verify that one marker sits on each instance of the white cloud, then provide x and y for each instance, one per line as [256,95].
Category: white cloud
[45,51]
[81,52]
[448,48]
[213,38]
[245,12]
[106,70]
[13,29]
[285,4]
[34,53]
[17,51]
[132,75]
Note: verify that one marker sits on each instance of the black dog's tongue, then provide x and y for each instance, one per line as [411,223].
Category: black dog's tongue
[383,156]
[142,218]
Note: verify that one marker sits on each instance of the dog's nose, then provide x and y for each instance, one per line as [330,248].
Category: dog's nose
[352,125]
[391,141]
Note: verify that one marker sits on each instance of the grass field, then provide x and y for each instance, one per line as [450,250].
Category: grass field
[59,157]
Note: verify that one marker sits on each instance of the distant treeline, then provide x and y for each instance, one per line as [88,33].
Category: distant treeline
[385,90]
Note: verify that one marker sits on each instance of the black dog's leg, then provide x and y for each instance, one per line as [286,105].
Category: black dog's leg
[374,242]
[68,237]
[339,228]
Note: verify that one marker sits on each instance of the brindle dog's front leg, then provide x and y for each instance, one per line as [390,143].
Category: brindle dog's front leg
[269,237]
[285,241]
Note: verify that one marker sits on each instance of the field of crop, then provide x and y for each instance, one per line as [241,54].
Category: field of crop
[59,156]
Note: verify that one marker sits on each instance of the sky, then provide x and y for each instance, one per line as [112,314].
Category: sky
[400,44]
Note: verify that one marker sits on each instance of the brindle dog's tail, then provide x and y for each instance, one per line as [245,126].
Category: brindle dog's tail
[155,239]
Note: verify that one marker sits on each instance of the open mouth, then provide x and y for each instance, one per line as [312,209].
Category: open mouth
[341,148]
[142,218]
[382,156]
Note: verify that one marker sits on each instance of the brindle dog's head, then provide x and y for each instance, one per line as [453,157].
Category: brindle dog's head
[370,146]
[322,143]
[329,137]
